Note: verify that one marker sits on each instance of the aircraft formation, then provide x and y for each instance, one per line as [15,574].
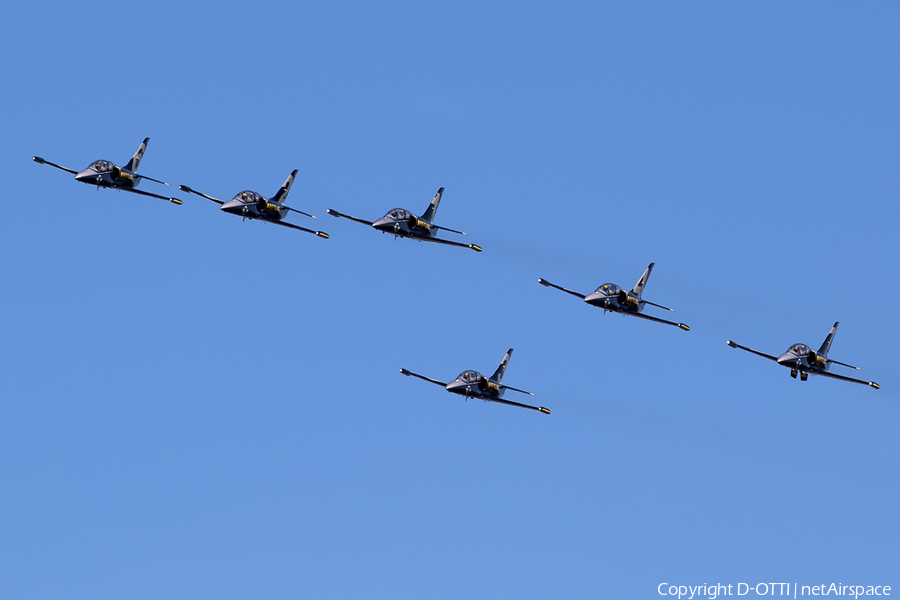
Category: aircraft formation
[801,359]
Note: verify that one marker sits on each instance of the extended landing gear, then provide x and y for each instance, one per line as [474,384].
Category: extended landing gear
[804,376]
[794,373]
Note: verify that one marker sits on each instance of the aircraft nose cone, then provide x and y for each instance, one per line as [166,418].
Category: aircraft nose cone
[788,360]
[87,176]
[595,299]
[457,387]
[383,224]
[234,207]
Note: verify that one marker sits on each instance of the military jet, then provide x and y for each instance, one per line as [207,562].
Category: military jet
[611,297]
[802,359]
[251,205]
[473,384]
[403,223]
[104,173]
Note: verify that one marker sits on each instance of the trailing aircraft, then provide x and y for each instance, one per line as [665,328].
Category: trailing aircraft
[252,205]
[473,384]
[402,223]
[802,359]
[611,297]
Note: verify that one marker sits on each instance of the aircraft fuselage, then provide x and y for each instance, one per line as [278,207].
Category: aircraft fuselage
[104,173]
[610,296]
[400,221]
[253,205]
[801,357]
[473,384]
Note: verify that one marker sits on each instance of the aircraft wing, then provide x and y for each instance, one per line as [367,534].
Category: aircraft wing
[655,319]
[321,234]
[546,411]
[41,161]
[842,378]
[410,373]
[763,354]
[447,242]
[185,188]
[143,193]
[553,285]
[335,213]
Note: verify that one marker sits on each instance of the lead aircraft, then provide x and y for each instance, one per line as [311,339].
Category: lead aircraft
[473,384]
[252,205]
[802,359]
[107,174]
[610,297]
[402,223]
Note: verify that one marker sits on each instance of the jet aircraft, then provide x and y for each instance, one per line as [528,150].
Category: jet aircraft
[802,359]
[104,173]
[403,223]
[473,384]
[251,205]
[610,297]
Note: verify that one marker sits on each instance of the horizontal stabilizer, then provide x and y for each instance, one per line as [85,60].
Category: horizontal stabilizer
[657,305]
[450,230]
[301,212]
[151,179]
[843,364]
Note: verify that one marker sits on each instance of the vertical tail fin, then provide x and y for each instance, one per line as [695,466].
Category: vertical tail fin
[639,286]
[135,161]
[498,374]
[282,193]
[428,215]
[826,345]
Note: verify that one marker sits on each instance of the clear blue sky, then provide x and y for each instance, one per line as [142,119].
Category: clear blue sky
[196,407]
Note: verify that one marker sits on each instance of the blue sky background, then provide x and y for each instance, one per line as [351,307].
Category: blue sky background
[196,407]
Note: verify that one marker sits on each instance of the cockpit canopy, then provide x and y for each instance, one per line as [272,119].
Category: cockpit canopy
[610,289]
[799,349]
[470,376]
[398,214]
[248,197]
[101,166]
